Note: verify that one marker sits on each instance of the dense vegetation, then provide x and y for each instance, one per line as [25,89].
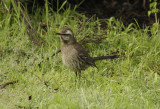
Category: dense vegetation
[40,80]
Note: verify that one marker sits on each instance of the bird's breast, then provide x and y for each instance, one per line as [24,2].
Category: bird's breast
[69,56]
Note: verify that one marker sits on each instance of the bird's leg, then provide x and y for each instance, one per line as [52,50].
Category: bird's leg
[79,73]
[76,78]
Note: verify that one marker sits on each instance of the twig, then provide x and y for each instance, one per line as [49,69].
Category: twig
[32,33]
[91,40]
[8,83]
[58,51]
[49,57]
[4,74]
[82,25]
[20,52]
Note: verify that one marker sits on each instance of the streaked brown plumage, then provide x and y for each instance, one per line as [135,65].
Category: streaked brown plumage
[74,56]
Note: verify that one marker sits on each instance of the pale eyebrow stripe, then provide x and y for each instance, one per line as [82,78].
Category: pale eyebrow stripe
[69,32]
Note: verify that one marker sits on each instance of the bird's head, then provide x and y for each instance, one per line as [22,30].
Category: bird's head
[66,36]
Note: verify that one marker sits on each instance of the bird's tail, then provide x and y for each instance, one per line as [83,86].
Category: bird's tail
[105,57]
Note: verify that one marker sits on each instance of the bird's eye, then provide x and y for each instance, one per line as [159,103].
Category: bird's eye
[65,37]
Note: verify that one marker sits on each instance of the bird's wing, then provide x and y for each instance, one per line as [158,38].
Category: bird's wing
[83,55]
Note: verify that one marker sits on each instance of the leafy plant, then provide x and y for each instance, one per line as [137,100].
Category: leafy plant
[153,9]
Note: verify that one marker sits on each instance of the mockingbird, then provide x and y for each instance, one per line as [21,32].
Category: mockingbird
[74,56]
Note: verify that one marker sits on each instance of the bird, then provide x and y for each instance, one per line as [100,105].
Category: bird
[73,55]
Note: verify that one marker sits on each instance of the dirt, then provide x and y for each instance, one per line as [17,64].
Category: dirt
[126,10]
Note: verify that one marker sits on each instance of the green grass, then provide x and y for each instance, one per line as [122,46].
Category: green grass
[129,82]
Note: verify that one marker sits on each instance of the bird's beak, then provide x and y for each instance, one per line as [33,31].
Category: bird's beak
[61,34]
[58,33]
